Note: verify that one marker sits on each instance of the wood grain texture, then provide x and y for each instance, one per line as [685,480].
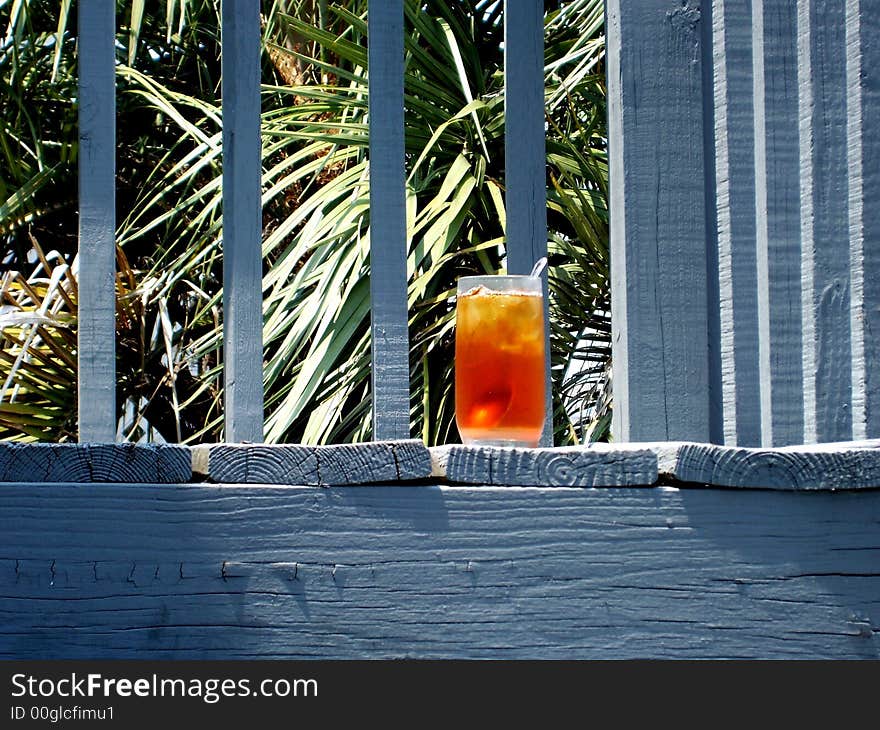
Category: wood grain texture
[525,157]
[780,140]
[242,222]
[791,468]
[341,464]
[863,161]
[388,241]
[778,223]
[94,463]
[733,151]
[577,466]
[824,220]
[659,267]
[96,275]
[134,571]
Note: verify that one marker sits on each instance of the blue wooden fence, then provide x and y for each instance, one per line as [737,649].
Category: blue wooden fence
[744,280]
[242,224]
[744,141]
[242,221]
[388,249]
[97,221]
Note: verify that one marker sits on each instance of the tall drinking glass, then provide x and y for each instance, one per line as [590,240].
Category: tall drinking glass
[499,360]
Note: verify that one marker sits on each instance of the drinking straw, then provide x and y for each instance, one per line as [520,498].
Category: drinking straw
[539,266]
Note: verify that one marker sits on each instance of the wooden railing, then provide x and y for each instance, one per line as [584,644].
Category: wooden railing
[242,222]
[742,142]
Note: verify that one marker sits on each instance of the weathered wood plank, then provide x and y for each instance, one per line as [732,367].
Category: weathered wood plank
[134,571]
[789,345]
[242,222]
[658,222]
[733,152]
[341,464]
[824,220]
[790,468]
[166,463]
[388,241]
[598,465]
[525,157]
[778,224]
[863,161]
[96,276]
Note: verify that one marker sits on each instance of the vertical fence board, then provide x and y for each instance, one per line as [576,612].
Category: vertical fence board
[824,216]
[658,226]
[863,160]
[525,157]
[388,277]
[242,221]
[790,170]
[777,194]
[96,318]
[735,210]
[718,280]
[778,229]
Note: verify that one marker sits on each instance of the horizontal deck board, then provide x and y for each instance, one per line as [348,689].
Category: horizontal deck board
[236,571]
[167,463]
[593,466]
[337,464]
[795,468]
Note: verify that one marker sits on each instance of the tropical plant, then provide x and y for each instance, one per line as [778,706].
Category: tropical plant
[316,215]
[38,210]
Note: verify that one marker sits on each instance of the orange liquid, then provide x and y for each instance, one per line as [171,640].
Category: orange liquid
[499,367]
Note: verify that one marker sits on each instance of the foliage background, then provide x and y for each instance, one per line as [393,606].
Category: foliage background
[316,214]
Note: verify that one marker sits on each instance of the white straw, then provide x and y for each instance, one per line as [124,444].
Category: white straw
[539,266]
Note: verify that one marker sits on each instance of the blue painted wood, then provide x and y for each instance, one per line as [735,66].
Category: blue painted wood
[242,221]
[596,465]
[733,151]
[225,571]
[659,267]
[388,241]
[863,160]
[777,190]
[150,463]
[525,157]
[337,464]
[789,205]
[792,467]
[96,276]
[824,177]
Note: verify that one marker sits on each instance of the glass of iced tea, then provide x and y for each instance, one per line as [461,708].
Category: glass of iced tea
[499,360]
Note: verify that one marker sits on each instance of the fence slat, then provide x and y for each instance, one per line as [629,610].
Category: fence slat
[388,278]
[777,193]
[525,158]
[96,326]
[658,223]
[242,221]
[863,160]
[824,220]
[734,155]
[790,162]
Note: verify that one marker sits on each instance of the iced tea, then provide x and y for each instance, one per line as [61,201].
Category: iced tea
[499,360]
